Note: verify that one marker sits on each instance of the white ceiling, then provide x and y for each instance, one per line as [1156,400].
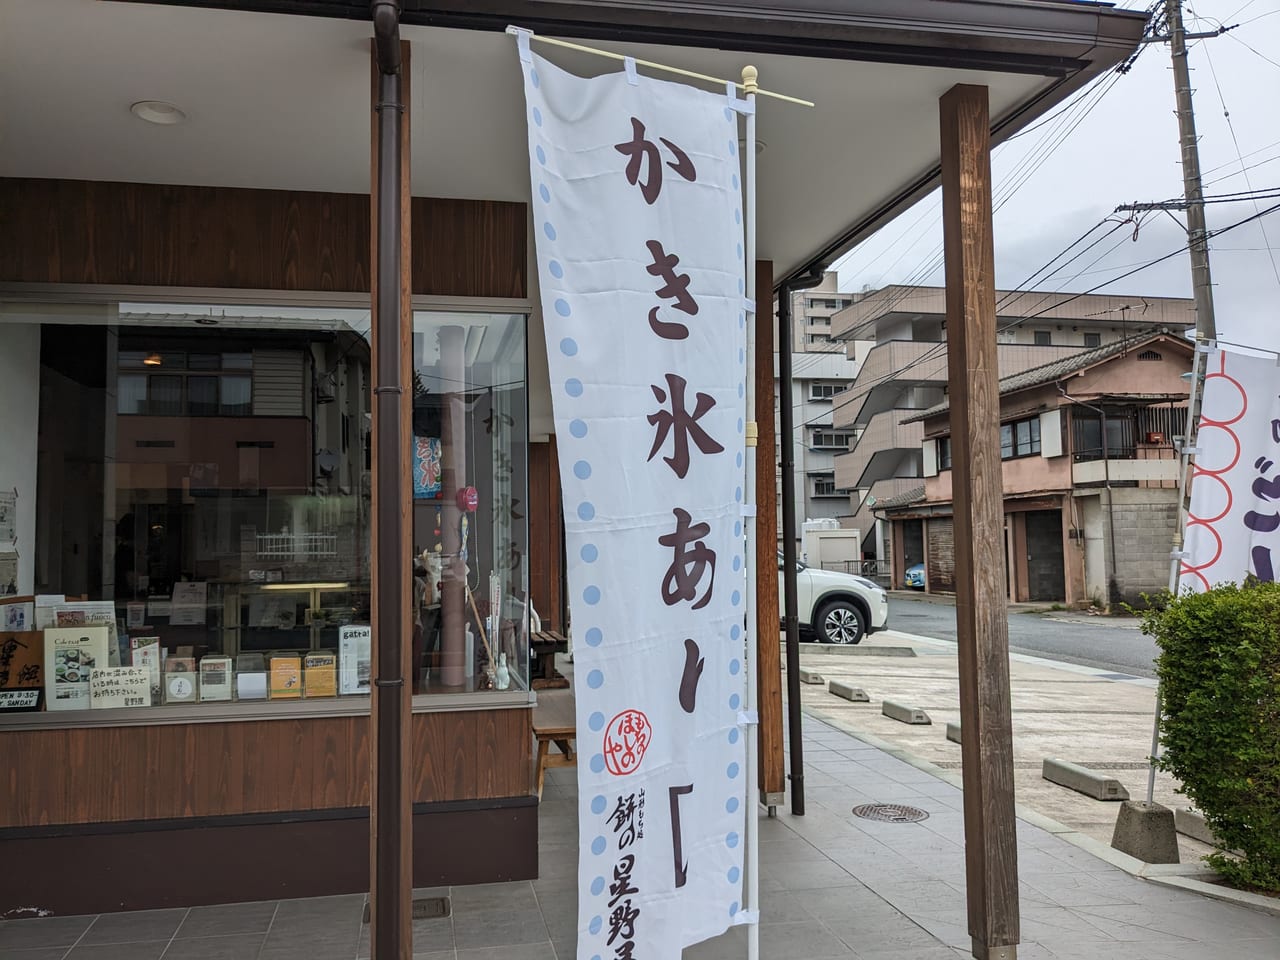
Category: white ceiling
[283,102]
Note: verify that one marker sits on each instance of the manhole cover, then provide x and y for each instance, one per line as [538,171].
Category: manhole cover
[424,908]
[890,813]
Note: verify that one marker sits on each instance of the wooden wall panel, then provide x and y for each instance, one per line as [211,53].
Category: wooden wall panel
[546,534]
[77,231]
[260,766]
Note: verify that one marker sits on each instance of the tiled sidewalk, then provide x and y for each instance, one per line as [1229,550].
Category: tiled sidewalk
[833,885]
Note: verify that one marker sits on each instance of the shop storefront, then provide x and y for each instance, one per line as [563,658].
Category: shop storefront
[187,470]
[188,383]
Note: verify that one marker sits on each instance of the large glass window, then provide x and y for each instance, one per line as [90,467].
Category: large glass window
[202,503]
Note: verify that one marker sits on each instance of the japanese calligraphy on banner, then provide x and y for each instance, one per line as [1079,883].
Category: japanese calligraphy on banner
[1233,526]
[637,208]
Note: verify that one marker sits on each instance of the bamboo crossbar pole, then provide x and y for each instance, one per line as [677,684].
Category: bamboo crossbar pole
[679,71]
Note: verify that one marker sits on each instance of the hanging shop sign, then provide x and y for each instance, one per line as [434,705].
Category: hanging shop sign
[637,209]
[1233,524]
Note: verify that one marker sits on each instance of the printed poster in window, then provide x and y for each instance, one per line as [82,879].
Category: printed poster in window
[17,614]
[426,468]
[187,607]
[21,670]
[71,654]
[355,644]
[8,574]
[8,517]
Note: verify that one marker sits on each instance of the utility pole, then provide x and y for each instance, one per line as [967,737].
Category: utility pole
[1202,290]
[1198,240]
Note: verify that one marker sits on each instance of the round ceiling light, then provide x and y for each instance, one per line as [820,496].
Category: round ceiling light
[157,111]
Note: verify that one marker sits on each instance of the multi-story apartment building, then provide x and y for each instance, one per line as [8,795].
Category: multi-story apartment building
[821,370]
[904,371]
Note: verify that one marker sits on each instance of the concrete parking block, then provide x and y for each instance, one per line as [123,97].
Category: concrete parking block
[849,692]
[1083,780]
[904,714]
[953,731]
[811,676]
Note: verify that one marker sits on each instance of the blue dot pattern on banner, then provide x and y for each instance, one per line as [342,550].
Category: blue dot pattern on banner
[595,679]
[598,804]
[589,553]
[569,347]
[591,595]
[598,845]
[596,721]
[537,116]
[586,511]
[582,470]
[573,387]
[562,307]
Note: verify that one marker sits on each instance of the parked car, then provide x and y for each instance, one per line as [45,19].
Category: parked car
[836,607]
[914,577]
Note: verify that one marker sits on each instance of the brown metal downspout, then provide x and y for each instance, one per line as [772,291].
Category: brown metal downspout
[391,840]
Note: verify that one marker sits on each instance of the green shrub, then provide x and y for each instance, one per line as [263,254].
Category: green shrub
[1219,669]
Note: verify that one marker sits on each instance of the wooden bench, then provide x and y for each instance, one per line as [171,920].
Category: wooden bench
[543,648]
[554,721]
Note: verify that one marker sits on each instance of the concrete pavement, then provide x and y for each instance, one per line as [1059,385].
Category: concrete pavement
[835,887]
[1064,711]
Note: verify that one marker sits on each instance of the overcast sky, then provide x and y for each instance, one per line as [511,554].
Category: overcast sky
[1124,150]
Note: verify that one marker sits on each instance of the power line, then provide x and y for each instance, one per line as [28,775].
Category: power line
[1275,270]
[1274,63]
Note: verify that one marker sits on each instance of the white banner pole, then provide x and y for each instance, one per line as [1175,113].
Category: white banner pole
[750,80]
[1199,365]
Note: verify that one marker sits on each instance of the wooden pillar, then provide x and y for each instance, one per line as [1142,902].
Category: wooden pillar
[768,651]
[394,880]
[991,852]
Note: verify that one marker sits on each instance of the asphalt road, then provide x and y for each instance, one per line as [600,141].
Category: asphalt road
[1116,645]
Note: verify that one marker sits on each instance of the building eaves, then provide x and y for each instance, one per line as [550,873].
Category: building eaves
[901,500]
[1058,369]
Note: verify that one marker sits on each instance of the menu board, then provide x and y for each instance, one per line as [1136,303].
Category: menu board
[21,670]
[71,653]
[320,675]
[286,678]
[114,687]
[355,648]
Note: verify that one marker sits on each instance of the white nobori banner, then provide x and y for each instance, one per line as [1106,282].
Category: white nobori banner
[1233,527]
[637,210]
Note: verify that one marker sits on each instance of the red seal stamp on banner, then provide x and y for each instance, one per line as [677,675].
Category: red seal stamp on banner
[625,741]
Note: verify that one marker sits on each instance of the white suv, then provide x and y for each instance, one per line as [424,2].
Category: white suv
[836,607]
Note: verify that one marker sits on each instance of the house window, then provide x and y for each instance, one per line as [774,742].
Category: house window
[824,486]
[179,383]
[825,439]
[944,453]
[824,391]
[1121,438]
[1020,438]
[1044,338]
[1093,339]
